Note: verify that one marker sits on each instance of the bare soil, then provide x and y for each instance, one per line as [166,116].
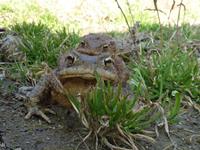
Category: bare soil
[66,132]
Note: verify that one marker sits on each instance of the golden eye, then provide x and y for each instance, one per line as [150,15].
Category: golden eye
[83,44]
[105,46]
[108,61]
[70,59]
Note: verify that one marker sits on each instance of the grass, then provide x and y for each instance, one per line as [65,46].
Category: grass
[170,70]
[42,44]
[28,11]
[107,113]
[162,77]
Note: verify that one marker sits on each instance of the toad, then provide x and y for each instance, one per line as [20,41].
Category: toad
[76,73]
[10,47]
[97,43]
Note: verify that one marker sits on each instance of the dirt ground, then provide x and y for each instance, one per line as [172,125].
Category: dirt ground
[66,132]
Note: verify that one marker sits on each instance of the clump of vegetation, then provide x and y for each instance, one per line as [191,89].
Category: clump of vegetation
[114,118]
[43,44]
[159,75]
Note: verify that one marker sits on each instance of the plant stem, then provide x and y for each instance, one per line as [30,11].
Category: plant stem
[161,30]
[123,15]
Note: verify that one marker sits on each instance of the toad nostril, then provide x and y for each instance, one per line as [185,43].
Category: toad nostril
[112,43]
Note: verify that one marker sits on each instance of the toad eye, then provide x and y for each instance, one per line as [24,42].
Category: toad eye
[70,59]
[105,46]
[83,44]
[108,61]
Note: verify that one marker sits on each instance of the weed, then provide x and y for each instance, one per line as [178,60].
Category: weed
[42,44]
[161,74]
[113,116]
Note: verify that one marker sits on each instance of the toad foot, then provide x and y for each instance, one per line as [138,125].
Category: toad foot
[36,111]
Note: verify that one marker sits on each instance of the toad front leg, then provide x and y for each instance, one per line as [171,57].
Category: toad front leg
[33,109]
[47,82]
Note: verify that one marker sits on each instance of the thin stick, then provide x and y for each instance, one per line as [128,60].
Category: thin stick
[177,23]
[129,9]
[149,9]
[161,30]
[123,15]
[111,146]
[172,7]
[83,140]
[6,63]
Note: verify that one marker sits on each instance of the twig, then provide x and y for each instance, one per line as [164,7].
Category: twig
[177,23]
[150,9]
[172,7]
[107,143]
[168,147]
[161,30]
[143,137]
[123,15]
[6,63]
[96,141]
[129,9]
[83,140]
[127,138]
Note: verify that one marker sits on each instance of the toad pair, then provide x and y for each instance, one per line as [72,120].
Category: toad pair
[76,73]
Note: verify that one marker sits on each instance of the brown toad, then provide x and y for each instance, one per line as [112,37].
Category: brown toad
[10,47]
[76,73]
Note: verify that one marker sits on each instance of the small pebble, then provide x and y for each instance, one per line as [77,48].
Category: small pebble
[48,138]
[2,145]
[2,76]
[2,110]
